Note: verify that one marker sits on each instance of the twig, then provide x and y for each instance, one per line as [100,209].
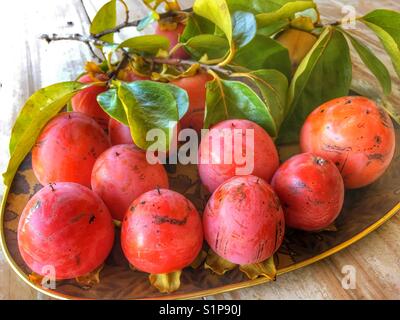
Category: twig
[93,53]
[172,61]
[135,23]
[74,37]
[169,61]
[86,13]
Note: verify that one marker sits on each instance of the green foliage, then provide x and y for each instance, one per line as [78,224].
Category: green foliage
[324,74]
[264,53]
[253,76]
[145,105]
[373,63]
[106,18]
[41,107]
[386,25]
[149,44]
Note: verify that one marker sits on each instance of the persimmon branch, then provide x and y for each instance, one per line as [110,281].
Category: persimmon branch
[155,60]
[176,62]
[135,23]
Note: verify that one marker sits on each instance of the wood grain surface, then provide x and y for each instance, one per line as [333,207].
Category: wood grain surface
[27,64]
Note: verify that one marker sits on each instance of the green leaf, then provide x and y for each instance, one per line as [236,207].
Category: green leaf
[151,105]
[106,18]
[42,106]
[150,44]
[389,43]
[373,63]
[196,25]
[273,28]
[256,6]
[387,20]
[286,11]
[324,74]
[213,46]
[216,11]
[112,105]
[236,100]
[272,86]
[244,27]
[264,53]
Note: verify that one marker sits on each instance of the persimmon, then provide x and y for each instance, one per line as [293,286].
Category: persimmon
[85,101]
[67,149]
[121,174]
[195,87]
[311,191]
[67,227]
[172,32]
[223,155]
[161,232]
[355,134]
[243,220]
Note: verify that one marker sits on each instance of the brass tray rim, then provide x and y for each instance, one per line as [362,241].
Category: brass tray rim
[201,293]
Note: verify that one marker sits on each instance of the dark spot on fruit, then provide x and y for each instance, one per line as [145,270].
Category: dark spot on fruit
[132,209]
[336,149]
[375,156]
[378,139]
[126,218]
[158,190]
[78,260]
[165,219]
[117,154]
[322,110]
[69,116]
[347,102]
[337,163]
[142,202]
[361,125]
[92,218]
[367,111]
[77,218]
[319,161]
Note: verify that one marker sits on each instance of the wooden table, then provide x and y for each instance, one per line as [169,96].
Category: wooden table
[28,64]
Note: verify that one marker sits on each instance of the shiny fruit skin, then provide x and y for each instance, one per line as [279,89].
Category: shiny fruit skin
[266,159]
[119,133]
[121,174]
[66,226]
[355,134]
[243,220]
[161,232]
[195,87]
[173,37]
[85,101]
[311,191]
[67,148]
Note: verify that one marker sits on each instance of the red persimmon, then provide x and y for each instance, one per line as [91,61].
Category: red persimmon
[243,220]
[67,149]
[311,191]
[121,174]
[65,227]
[85,101]
[222,155]
[161,232]
[355,134]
